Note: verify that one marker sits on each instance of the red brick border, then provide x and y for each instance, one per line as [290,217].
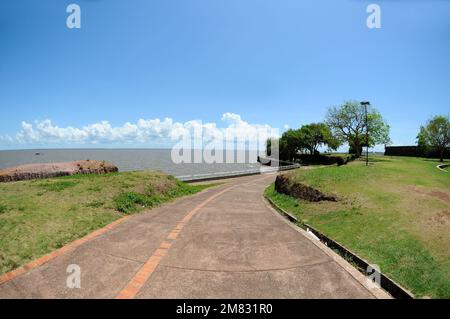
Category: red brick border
[69,247]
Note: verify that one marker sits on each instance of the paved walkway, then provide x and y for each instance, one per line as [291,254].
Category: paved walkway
[225,242]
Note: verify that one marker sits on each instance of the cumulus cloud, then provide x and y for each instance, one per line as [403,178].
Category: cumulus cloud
[153,131]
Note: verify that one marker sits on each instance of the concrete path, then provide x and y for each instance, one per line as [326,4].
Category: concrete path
[225,242]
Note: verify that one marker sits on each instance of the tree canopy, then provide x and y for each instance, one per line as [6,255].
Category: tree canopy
[348,124]
[314,135]
[289,145]
[436,134]
[307,138]
[343,124]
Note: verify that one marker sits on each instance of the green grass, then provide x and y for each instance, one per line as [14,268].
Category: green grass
[394,213]
[130,202]
[58,186]
[37,217]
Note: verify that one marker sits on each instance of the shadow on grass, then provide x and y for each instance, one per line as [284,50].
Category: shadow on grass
[374,159]
[436,160]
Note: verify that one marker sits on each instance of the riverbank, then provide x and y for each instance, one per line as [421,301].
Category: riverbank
[49,170]
[126,160]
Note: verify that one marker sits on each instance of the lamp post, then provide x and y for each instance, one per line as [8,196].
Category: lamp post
[365,104]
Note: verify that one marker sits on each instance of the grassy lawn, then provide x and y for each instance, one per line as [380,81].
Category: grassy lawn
[37,217]
[394,213]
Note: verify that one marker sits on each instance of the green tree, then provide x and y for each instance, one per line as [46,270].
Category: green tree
[290,145]
[309,137]
[314,135]
[348,124]
[421,140]
[436,134]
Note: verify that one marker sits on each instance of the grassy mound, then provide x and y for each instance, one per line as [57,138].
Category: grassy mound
[37,217]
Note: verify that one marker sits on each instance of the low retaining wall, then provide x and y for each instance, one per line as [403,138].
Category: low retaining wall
[224,175]
[394,289]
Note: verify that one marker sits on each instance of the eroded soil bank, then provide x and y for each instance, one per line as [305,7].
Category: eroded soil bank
[48,170]
[286,185]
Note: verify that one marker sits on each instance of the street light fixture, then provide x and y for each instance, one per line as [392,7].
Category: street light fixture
[365,104]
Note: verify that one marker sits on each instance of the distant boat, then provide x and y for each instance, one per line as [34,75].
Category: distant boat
[37,153]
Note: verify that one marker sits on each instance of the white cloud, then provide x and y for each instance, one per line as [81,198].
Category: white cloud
[231,118]
[152,131]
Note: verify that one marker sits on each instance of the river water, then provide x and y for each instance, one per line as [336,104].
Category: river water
[128,160]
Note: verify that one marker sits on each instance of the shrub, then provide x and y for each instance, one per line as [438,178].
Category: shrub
[318,159]
[341,161]
[128,202]
[3,208]
[315,159]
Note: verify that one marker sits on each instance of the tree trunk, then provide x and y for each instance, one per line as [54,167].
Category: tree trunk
[357,150]
[442,154]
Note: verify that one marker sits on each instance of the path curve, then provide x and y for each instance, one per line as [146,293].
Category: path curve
[224,242]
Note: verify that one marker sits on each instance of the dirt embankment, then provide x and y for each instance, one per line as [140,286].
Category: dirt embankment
[286,185]
[48,170]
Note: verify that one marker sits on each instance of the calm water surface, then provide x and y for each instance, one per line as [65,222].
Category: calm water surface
[126,160]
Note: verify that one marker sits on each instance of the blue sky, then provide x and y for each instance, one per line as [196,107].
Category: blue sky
[271,62]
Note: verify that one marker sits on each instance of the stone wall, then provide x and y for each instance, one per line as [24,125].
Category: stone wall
[413,151]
